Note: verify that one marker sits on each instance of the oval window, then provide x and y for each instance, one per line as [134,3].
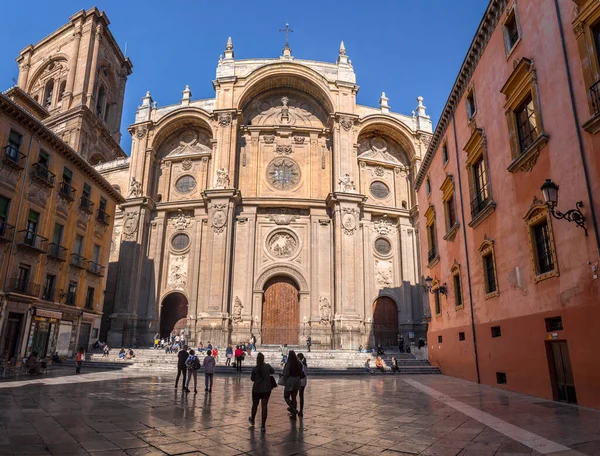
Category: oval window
[379,190]
[180,241]
[383,246]
[185,184]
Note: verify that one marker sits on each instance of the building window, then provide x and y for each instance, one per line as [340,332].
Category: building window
[428,186]
[447,189]
[438,304]
[89,298]
[23,278]
[554,324]
[44,159]
[541,242]
[31,228]
[511,30]
[488,261]
[101,100]
[4,210]
[587,32]
[445,153]
[432,252]
[379,190]
[48,92]
[78,246]
[180,241]
[496,331]
[49,284]
[482,202]
[440,339]
[61,91]
[185,184]
[470,104]
[457,286]
[523,117]
[461,336]
[72,293]
[501,378]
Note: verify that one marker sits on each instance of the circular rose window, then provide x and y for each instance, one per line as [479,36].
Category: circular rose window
[283,173]
[180,241]
[379,190]
[383,246]
[185,184]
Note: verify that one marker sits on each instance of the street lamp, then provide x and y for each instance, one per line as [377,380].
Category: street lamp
[442,289]
[550,192]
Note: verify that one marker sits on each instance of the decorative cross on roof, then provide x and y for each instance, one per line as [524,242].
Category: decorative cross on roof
[287,30]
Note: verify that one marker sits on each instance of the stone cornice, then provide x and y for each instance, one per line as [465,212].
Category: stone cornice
[486,27]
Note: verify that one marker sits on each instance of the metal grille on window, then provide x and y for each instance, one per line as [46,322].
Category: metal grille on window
[185,184]
[180,241]
[379,190]
[545,261]
[526,124]
[383,246]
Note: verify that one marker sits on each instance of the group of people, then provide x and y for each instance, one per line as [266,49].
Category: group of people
[293,379]
[126,354]
[380,365]
[170,344]
[188,365]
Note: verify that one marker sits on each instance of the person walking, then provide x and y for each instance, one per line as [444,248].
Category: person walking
[302,382]
[401,343]
[292,374]
[182,357]
[261,389]
[209,370]
[79,360]
[156,340]
[395,367]
[253,342]
[308,343]
[284,354]
[106,351]
[193,364]
[239,357]
[228,355]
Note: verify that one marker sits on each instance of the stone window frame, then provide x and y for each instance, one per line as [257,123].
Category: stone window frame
[487,248]
[587,18]
[455,273]
[476,149]
[428,186]
[521,84]
[433,252]
[179,178]
[537,213]
[445,153]
[183,250]
[437,299]
[511,12]
[449,197]
[470,93]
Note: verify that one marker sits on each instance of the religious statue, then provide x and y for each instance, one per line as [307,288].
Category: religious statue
[237,310]
[135,188]
[285,110]
[324,310]
[283,245]
[222,178]
[347,184]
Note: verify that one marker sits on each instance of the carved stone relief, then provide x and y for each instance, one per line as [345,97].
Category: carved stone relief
[383,273]
[189,142]
[283,215]
[177,272]
[347,184]
[180,221]
[130,226]
[283,149]
[346,122]
[282,244]
[324,310]
[382,226]
[349,222]
[376,148]
[222,178]
[135,188]
[218,217]
[186,164]
[225,119]
[236,314]
[269,139]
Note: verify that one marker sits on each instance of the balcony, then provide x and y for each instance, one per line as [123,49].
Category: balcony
[12,157]
[77,261]
[48,294]
[66,191]
[592,125]
[32,241]
[57,252]
[23,286]
[86,205]
[6,231]
[41,174]
[595,96]
[95,268]
[102,217]
[480,202]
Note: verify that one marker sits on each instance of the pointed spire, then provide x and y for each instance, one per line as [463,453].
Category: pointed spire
[383,103]
[186,95]
[342,57]
[229,49]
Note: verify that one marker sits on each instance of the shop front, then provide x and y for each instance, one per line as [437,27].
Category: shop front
[43,332]
[13,332]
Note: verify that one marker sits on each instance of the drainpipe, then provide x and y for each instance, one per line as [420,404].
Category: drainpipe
[464,232]
[577,126]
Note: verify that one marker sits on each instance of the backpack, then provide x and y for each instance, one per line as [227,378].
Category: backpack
[193,363]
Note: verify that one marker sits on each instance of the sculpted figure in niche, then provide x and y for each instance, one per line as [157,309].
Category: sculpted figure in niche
[237,310]
[380,149]
[222,178]
[283,245]
[347,184]
[135,188]
[188,142]
[324,310]
[290,109]
[178,272]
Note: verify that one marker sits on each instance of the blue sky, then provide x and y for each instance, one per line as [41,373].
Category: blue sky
[405,48]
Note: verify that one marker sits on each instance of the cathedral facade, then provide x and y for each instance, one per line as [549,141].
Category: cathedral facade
[279,208]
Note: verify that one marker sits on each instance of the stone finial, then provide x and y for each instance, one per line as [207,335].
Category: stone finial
[186,95]
[229,49]
[421,109]
[422,120]
[383,103]
[342,57]
[147,100]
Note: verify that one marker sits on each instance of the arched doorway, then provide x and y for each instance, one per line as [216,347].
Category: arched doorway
[280,312]
[173,313]
[385,322]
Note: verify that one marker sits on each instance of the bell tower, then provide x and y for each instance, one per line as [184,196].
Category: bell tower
[78,75]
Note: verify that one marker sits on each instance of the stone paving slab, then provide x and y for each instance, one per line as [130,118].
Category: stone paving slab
[111,413]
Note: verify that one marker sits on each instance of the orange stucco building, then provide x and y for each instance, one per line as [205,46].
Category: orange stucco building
[514,289]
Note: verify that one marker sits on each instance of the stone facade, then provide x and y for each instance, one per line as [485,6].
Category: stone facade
[281,175]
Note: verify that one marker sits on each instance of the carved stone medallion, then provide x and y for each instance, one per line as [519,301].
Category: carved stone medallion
[282,244]
[180,221]
[219,218]
[130,226]
[283,149]
[186,164]
[349,220]
[224,119]
[346,122]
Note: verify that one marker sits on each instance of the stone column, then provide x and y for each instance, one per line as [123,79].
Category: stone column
[93,67]
[72,70]
[348,263]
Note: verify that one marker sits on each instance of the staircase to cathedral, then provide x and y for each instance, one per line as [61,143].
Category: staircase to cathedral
[319,361]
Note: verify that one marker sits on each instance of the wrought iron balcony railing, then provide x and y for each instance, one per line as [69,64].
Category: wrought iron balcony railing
[95,268]
[32,240]
[23,286]
[66,191]
[42,175]
[77,261]
[58,252]
[12,157]
[6,231]
[86,205]
[102,217]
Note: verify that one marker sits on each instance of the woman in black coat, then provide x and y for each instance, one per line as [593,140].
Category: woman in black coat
[261,390]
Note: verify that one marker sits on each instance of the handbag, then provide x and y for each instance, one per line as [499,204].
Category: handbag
[281,380]
[273,382]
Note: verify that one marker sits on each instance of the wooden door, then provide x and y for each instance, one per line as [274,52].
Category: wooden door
[385,322]
[561,373]
[280,312]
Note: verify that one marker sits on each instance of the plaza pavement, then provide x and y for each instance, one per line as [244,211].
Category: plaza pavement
[115,413]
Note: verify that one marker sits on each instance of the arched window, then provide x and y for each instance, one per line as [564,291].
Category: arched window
[61,90]
[49,91]
[101,99]
[106,112]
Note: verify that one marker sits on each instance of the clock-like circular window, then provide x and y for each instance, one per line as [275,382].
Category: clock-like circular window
[283,173]
[180,241]
[383,246]
[379,189]
[185,184]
